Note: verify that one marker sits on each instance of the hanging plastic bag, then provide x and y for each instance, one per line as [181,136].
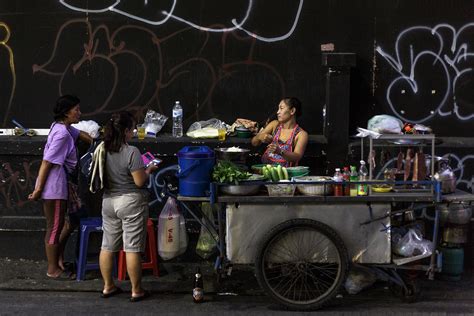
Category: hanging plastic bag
[169,233]
[183,235]
[411,244]
[206,242]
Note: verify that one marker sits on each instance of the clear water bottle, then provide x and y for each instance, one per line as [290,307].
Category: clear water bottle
[177,120]
[363,176]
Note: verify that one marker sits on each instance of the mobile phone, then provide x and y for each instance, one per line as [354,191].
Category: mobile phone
[155,162]
[147,158]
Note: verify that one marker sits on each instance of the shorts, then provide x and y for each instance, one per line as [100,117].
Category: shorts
[124,220]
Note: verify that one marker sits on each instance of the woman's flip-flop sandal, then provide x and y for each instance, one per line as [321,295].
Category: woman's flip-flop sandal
[63,276]
[114,292]
[135,299]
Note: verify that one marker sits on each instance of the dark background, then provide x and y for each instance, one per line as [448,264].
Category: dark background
[114,62]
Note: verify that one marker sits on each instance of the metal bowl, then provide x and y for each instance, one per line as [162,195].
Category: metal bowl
[238,155]
[314,188]
[241,189]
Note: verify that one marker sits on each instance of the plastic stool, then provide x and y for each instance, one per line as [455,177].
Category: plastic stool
[87,226]
[150,253]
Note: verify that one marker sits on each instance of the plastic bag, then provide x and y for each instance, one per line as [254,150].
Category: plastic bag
[90,127]
[359,278]
[411,244]
[153,123]
[385,124]
[206,242]
[206,129]
[171,235]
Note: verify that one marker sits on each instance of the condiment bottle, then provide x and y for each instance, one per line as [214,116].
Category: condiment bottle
[338,191]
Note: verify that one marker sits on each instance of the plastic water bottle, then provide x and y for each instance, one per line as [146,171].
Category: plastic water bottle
[177,120]
[363,173]
[338,190]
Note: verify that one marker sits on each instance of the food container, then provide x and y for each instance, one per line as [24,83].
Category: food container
[243,132]
[314,188]
[240,189]
[244,187]
[299,171]
[284,188]
[455,234]
[456,213]
[233,154]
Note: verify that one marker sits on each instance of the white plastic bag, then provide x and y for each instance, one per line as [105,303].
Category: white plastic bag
[172,236]
[154,122]
[412,244]
[90,127]
[359,278]
[385,124]
[206,129]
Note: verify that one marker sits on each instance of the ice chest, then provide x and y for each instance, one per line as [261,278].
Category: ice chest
[195,169]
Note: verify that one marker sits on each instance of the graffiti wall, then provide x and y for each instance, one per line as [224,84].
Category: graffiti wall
[230,59]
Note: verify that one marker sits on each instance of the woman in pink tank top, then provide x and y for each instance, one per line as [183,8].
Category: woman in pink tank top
[287,140]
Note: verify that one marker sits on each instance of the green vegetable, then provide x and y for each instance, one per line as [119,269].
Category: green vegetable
[275,177]
[228,172]
[280,173]
[285,174]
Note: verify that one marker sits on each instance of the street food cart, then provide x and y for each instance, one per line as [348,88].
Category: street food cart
[302,246]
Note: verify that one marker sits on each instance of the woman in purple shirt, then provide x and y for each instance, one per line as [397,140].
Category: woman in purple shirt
[59,157]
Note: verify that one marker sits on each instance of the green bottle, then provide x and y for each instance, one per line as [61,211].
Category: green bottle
[353,177]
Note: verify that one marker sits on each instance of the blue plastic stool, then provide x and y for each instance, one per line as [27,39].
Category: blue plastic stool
[87,226]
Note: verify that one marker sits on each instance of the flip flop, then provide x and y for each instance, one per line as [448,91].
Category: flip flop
[63,276]
[135,299]
[114,292]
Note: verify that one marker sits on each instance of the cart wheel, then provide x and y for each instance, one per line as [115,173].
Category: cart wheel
[301,264]
[410,294]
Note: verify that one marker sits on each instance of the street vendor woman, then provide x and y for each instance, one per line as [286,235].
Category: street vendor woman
[287,140]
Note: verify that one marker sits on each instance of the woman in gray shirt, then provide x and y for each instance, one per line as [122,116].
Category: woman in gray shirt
[124,206]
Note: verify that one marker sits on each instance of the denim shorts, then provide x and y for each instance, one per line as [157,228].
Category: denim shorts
[124,221]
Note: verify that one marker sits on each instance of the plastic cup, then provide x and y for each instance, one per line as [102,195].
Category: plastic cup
[141,131]
[221,134]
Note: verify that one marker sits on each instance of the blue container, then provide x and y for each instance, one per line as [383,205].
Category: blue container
[453,263]
[195,169]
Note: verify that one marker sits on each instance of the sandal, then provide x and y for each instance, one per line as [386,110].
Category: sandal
[62,276]
[114,292]
[135,299]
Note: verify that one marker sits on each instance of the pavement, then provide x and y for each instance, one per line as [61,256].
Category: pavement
[176,278]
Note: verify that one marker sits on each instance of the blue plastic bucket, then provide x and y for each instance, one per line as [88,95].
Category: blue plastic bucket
[195,169]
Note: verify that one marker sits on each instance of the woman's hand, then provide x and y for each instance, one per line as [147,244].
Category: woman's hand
[151,168]
[35,195]
[266,138]
[274,148]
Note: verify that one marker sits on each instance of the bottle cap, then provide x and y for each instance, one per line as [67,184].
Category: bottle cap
[338,169]
[362,162]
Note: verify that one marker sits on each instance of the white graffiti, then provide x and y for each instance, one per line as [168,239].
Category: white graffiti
[170,15]
[450,57]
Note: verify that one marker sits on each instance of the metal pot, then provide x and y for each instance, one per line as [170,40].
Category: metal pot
[456,213]
[234,154]
[446,176]
[455,234]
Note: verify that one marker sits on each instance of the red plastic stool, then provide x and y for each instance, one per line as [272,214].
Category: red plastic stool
[150,253]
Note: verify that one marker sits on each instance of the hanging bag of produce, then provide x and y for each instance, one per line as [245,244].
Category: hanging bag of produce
[169,231]
[206,242]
